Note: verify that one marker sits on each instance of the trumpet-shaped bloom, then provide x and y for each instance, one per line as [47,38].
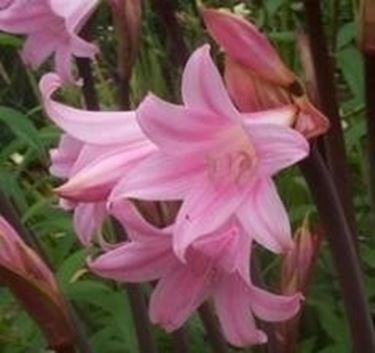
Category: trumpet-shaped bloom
[220,164]
[52,28]
[97,149]
[256,77]
[217,267]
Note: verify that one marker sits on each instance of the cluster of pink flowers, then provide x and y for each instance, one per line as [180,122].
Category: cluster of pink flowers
[217,154]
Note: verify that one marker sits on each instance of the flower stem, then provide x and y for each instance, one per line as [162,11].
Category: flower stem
[211,326]
[369,59]
[334,144]
[337,232]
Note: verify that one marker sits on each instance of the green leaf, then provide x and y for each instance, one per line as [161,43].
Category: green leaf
[23,128]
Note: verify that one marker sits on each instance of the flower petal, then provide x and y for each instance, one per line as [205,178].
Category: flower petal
[138,229]
[277,147]
[272,307]
[88,218]
[174,128]
[263,216]
[64,156]
[100,170]
[248,91]
[243,42]
[159,177]
[203,88]
[205,209]
[177,295]
[233,309]
[135,262]
[101,128]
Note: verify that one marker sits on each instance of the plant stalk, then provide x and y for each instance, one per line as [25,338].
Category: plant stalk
[211,326]
[334,142]
[337,232]
[369,59]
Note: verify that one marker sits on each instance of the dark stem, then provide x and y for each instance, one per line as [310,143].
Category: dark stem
[335,152]
[178,51]
[337,232]
[142,324]
[88,88]
[180,341]
[369,59]
[64,349]
[212,328]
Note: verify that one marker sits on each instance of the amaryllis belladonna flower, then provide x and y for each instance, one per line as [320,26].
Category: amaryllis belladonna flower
[256,77]
[216,267]
[97,149]
[52,28]
[220,164]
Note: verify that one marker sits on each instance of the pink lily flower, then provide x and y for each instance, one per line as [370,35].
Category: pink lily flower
[217,267]
[255,75]
[220,164]
[97,149]
[52,28]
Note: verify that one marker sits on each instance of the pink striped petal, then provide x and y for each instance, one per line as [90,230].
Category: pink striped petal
[88,219]
[95,180]
[248,91]
[263,216]
[177,295]
[205,209]
[137,228]
[102,128]
[174,128]
[233,309]
[311,121]
[277,147]
[272,307]
[243,42]
[284,116]
[135,262]
[159,177]
[203,88]
[64,156]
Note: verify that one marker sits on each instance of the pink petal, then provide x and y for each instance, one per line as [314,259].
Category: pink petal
[277,147]
[203,88]
[95,180]
[174,128]
[101,128]
[272,307]
[33,53]
[233,309]
[88,219]
[205,209]
[243,42]
[311,122]
[63,63]
[137,228]
[222,246]
[284,116]
[159,177]
[64,156]
[177,295]
[263,216]
[135,262]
